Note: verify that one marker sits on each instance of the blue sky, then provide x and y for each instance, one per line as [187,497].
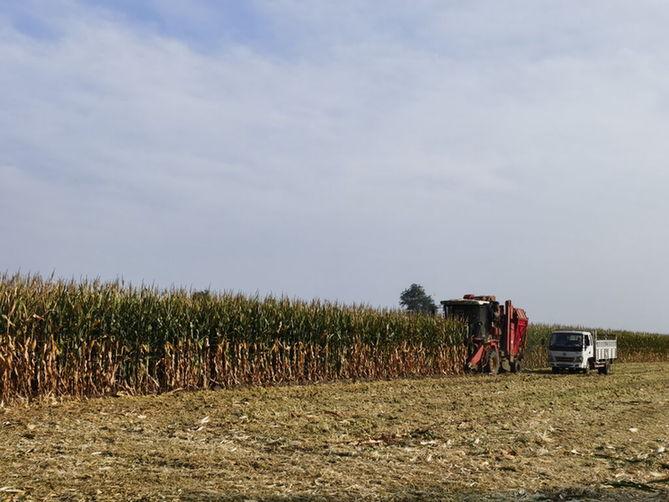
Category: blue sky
[343,150]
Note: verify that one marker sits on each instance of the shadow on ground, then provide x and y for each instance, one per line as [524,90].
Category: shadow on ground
[538,371]
[616,491]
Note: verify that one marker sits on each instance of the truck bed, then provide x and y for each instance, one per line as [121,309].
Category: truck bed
[606,349]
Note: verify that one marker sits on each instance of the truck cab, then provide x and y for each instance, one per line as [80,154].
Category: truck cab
[580,351]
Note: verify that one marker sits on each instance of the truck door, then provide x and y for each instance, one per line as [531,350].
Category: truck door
[588,349]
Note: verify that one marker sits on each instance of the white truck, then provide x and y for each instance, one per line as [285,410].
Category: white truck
[581,351]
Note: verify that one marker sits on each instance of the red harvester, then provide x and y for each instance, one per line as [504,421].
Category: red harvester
[496,334]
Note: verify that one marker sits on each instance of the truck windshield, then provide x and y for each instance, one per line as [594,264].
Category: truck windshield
[566,341]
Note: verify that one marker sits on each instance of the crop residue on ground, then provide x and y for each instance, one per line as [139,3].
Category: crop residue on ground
[512,436]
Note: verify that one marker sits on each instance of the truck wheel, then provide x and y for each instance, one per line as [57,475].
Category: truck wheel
[493,362]
[555,370]
[516,366]
[607,368]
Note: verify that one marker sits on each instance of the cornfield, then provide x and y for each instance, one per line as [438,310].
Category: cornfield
[93,338]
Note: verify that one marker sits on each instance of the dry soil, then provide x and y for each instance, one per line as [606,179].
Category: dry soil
[531,436]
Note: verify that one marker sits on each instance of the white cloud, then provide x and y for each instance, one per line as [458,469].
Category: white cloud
[517,150]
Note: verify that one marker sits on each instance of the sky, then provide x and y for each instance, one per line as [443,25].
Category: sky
[344,150]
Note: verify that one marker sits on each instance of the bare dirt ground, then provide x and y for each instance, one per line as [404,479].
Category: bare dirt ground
[533,436]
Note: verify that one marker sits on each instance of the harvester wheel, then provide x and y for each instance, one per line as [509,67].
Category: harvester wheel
[516,366]
[493,362]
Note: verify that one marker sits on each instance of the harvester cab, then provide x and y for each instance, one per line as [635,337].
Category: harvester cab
[496,334]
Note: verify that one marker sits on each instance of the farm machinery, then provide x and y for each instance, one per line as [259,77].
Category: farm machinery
[496,334]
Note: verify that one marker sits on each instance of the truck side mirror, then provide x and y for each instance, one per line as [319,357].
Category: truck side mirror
[587,341]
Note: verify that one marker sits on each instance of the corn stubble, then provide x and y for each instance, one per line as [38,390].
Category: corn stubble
[92,338]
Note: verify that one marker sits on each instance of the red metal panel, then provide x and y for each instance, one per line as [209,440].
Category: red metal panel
[476,357]
[508,308]
[517,321]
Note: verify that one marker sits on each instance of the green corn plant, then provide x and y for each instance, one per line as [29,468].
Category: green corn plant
[94,338]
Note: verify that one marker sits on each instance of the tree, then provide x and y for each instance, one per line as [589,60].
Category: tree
[415,299]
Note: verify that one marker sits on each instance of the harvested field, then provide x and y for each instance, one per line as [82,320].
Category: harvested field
[528,436]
